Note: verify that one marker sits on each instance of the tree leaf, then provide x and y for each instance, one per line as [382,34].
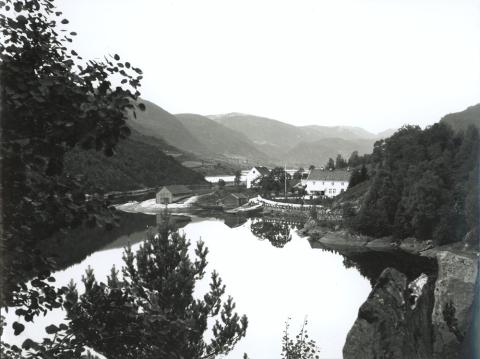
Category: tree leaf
[28,344]
[18,6]
[51,329]
[17,328]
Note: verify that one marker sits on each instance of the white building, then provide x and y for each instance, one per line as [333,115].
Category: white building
[326,183]
[255,174]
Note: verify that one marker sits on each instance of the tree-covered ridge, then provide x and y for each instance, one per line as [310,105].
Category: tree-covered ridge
[136,163]
[424,185]
[460,121]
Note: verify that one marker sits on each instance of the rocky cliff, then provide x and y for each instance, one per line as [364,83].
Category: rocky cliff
[452,314]
[394,322]
[426,318]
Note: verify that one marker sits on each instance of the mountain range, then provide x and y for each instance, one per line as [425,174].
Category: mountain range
[161,145]
[247,139]
[300,145]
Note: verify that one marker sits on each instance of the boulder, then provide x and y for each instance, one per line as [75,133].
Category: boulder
[394,322]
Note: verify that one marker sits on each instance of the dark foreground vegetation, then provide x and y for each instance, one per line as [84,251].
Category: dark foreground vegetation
[57,107]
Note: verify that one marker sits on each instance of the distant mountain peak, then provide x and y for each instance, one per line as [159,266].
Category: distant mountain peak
[226,115]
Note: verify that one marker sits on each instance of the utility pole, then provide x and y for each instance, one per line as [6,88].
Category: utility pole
[285,176]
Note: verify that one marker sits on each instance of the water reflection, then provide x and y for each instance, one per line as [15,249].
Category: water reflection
[234,220]
[371,263]
[71,247]
[269,285]
[175,221]
[277,233]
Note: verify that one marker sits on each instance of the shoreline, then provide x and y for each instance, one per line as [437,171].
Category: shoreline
[453,284]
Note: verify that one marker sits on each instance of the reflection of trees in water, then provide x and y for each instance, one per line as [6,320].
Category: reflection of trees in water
[171,221]
[371,264]
[277,233]
[234,220]
[73,246]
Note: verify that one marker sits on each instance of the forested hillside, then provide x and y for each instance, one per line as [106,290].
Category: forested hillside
[424,185]
[160,124]
[139,161]
[460,121]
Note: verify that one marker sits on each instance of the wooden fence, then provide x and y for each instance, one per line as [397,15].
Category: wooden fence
[323,213]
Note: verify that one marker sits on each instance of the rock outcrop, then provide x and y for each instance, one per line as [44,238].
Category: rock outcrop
[395,320]
[452,312]
[428,318]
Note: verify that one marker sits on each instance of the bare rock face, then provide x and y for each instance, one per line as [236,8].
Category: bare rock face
[428,318]
[454,296]
[395,320]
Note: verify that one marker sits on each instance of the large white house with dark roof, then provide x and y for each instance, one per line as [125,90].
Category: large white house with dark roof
[326,183]
[255,175]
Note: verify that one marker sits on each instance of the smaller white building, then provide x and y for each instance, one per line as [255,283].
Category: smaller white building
[326,183]
[255,174]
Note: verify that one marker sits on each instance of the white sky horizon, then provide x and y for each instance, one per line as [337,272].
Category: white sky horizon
[363,63]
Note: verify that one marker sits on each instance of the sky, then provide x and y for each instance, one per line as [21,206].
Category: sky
[376,64]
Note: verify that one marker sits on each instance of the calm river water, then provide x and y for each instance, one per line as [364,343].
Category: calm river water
[272,274]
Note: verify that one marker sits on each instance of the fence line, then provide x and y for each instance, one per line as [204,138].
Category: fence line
[323,213]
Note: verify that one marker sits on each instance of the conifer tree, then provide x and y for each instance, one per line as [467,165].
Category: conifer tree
[150,311]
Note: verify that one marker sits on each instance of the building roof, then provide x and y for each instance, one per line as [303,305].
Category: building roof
[177,189]
[264,171]
[296,184]
[326,175]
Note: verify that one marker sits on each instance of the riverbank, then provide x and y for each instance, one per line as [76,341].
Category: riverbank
[440,324]
[150,206]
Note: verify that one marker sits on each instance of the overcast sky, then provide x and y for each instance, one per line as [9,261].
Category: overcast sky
[377,64]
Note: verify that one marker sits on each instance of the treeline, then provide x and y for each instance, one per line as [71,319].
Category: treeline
[355,163]
[423,185]
[136,163]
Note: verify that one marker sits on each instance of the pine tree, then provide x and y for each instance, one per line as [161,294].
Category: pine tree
[150,311]
[340,162]
[330,164]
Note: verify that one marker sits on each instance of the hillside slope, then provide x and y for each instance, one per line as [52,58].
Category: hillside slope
[158,123]
[298,145]
[219,139]
[137,163]
[270,136]
[460,121]
[343,132]
[318,152]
